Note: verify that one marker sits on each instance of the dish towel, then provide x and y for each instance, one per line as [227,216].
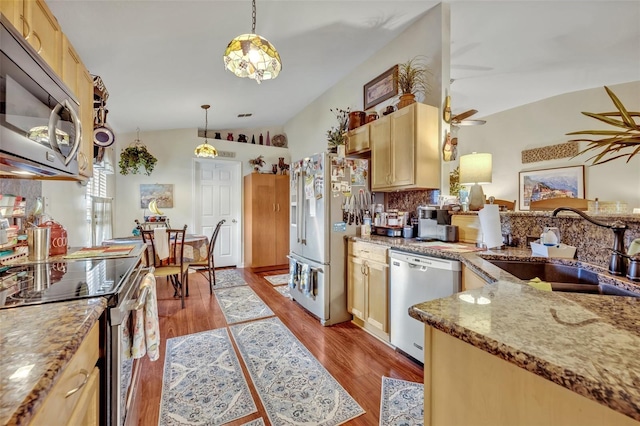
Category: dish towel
[293,272]
[539,284]
[146,330]
[305,281]
[161,242]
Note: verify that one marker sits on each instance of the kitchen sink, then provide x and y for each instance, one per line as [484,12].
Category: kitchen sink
[561,277]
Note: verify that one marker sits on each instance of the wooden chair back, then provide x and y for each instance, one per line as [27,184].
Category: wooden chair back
[212,242]
[175,241]
[508,205]
[151,225]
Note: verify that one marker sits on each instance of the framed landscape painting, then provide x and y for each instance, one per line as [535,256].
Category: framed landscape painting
[162,193]
[536,185]
[381,88]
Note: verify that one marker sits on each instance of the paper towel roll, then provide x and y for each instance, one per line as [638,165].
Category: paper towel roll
[490,223]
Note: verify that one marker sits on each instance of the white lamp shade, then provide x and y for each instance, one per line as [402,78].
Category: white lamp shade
[475,168]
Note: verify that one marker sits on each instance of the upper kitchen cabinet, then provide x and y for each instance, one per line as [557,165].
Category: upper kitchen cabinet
[76,76]
[358,140]
[38,26]
[404,149]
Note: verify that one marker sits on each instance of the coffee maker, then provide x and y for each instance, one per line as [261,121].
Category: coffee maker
[435,224]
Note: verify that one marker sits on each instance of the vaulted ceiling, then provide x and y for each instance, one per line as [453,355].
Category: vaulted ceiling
[161,60]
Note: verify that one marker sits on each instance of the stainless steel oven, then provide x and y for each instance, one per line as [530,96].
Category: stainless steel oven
[116,279]
[40,129]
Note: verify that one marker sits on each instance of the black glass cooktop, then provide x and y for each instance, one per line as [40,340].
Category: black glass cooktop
[37,283]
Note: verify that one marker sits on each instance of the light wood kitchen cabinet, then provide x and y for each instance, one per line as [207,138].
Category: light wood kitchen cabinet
[75,397]
[266,233]
[368,287]
[470,279]
[38,26]
[358,140]
[405,149]
[497,392]
[76,76]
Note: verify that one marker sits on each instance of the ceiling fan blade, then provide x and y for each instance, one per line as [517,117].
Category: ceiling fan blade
[464,115]
[471,123]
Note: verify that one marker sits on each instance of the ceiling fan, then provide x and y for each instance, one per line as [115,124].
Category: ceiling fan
[460,119]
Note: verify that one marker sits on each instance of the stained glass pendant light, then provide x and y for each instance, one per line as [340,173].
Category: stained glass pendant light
[252,56]
[205,150]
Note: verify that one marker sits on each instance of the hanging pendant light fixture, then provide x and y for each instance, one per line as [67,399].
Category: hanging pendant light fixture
[205,150]
[252,56]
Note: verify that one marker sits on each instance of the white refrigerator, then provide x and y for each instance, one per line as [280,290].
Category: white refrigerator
[329,196]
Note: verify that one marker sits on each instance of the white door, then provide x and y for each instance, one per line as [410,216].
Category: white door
[218,195]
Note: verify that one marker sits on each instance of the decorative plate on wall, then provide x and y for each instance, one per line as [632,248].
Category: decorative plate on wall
[279,141]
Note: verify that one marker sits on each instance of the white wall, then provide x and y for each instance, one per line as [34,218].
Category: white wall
[545,123]
[307,130]
[174,151]
[65,202]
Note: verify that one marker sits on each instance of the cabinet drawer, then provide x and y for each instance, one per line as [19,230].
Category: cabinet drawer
[57,405]
[369,251]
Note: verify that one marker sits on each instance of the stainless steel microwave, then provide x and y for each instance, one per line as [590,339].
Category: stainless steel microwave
[40,129]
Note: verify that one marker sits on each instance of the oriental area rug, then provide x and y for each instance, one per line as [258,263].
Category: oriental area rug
[241,303]
[293,386]
[228,278]
[203,383]
[278,279]
[401,403]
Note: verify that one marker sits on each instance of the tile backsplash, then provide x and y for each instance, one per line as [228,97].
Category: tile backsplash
[29,189]
[408,201]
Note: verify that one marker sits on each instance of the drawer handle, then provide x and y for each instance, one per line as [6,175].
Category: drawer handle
[84,382]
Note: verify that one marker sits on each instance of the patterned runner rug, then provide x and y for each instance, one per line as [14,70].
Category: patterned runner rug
[241,303]
[283,290]
[228,278]
[203,382]
[401,403]
[293,386]
[278,279]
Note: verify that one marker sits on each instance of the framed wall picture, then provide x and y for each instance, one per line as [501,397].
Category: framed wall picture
[381,88]
[162,193]
[560,182]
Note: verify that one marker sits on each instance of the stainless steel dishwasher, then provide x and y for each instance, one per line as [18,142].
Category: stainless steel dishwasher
[416,279]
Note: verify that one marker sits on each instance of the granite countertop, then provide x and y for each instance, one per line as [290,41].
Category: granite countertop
[39,339]
[587,343]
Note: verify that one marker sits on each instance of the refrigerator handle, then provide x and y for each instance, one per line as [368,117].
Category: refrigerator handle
[303,213]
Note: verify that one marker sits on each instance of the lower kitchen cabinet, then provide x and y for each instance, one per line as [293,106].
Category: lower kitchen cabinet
[75,397]
[465,385]
[470,279]
[266,232]
[368,287]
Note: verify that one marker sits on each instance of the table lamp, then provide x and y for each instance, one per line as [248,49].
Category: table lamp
[475,169]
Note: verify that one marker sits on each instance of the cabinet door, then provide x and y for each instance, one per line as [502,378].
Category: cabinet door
[45,35]
[403,161]
[377,295]
[358,140]
[87,411]
[281,219]
[356,287]
[13,10]
[380,140]
[85,97]
[71,66]
[470,279]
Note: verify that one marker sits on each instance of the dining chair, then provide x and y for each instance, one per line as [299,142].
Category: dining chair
[165,252]
[207,265]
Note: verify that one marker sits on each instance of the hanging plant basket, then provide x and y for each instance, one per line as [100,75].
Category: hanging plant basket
[136,159]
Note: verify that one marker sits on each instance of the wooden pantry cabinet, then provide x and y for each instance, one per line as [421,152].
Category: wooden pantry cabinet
[38,26]
[405,149]
[266,221]
[368,287]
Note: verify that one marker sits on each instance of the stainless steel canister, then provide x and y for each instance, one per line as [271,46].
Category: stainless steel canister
[38,242]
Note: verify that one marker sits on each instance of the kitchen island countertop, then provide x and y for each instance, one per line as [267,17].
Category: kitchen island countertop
[587,343]
[36,344]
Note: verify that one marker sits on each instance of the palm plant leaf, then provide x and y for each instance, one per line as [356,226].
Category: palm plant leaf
[615,142]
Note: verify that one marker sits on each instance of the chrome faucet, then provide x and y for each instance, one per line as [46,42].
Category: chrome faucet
[617,264]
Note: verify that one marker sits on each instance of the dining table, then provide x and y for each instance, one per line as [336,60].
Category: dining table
[196,247]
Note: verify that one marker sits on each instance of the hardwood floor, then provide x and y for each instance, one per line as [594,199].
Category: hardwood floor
[355,358]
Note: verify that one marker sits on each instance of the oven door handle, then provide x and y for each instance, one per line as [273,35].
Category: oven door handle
[142,298]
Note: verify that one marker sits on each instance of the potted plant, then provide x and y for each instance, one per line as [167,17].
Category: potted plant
[337,135]
[135,157]
[413,80]
[257,163]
